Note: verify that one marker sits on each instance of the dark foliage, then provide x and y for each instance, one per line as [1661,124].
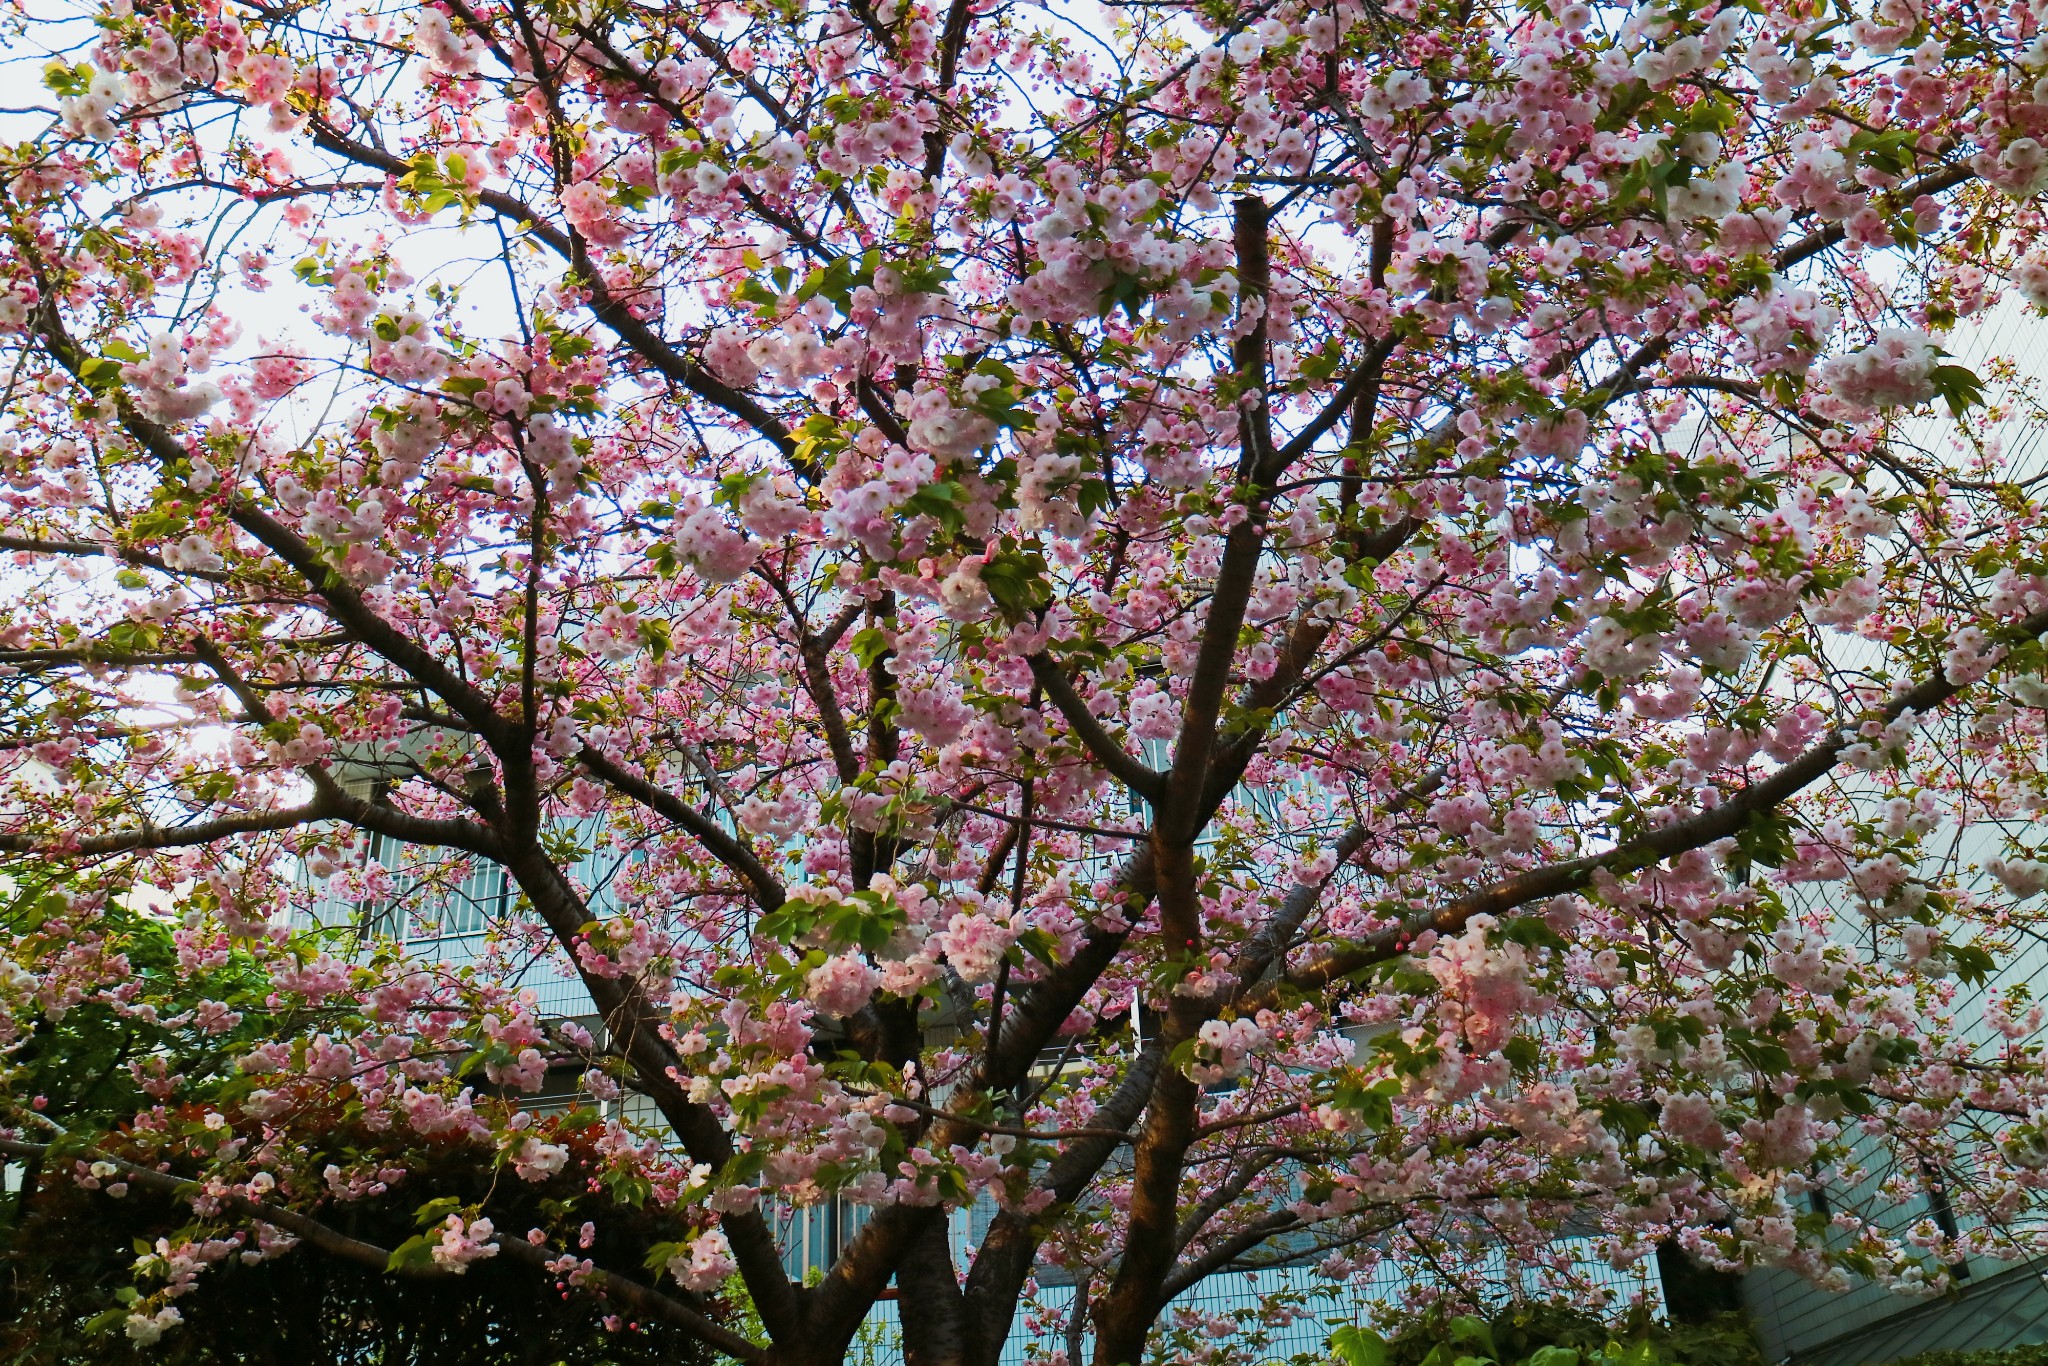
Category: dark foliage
[67,1255]
[71,1254]
[2032,1354]
[1519,1332]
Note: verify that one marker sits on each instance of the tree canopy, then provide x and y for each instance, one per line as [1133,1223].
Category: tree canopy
[1250,632]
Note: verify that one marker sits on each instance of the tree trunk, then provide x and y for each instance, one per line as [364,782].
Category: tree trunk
[930,1304]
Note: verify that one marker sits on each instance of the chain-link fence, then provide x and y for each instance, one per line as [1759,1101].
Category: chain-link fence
[1267,1318]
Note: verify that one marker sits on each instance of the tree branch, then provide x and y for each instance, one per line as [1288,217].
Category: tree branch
[672,363]
[767,889]
[1140,778]
[1717,823]
[175,836]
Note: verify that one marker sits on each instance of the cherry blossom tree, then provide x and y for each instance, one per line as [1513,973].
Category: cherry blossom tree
[1311,632]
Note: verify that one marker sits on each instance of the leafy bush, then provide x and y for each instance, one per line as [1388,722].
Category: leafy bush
[71,1254]
[1554,1334]
[2032,1354]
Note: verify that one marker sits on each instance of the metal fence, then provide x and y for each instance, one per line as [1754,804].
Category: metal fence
[1272,1318]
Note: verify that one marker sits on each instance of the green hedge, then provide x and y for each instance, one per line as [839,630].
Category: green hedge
[1559,1335]
[2035,1354]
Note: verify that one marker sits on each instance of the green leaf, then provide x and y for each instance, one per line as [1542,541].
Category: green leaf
[869,646]
[434,1211]
[1764,839]
[106,1321]
[416,1251]
[1355,1346]
[1959,387]
[1468,1329]
[1372,1106]
[67,80]
[656,634]
[755,293]
[100,374]
[1533,931]
[1972,964]
[1040,944]
[1639,1353]
[1016,579]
